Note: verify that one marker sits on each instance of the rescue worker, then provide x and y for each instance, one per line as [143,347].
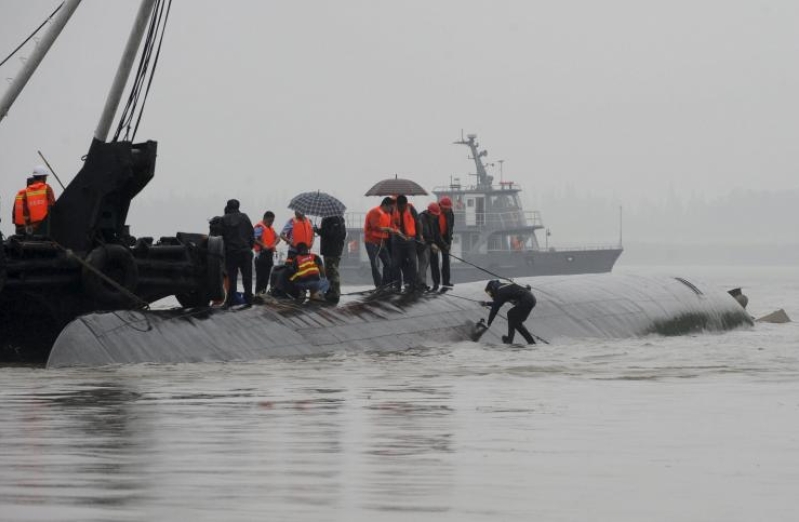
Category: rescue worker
[19,214]
[39,198]
[237,232]
[297,230]
[332,234]
[376,235]
[428,244]
[306,272]
[446,222]
[403,244]
[523,301]
[266,240]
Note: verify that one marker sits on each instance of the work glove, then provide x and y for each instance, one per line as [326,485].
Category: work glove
[486,303]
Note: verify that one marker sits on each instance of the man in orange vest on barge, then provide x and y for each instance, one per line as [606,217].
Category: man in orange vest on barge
[32,204]
[266,239]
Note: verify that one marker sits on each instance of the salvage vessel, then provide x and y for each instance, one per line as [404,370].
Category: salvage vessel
[82,258]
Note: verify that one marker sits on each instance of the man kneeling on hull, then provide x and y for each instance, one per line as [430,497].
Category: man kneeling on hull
[307,273]
[523,301]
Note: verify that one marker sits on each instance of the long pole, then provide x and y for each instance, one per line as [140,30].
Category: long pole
[33,61]
[51,170]
[123,71]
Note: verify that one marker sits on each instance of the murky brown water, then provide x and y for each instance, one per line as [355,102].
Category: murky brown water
[689,428]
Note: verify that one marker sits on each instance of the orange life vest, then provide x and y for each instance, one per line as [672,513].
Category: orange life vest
[20,215]
[40,198]
[407,220]
[268,237]
[301,232]
[307,269]
[442,223]
[375,219]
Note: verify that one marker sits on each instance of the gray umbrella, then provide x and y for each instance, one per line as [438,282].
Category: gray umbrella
[317,204]
[395,185]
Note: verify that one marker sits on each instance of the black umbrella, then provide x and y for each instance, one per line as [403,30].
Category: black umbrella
[395,185]
[317,204]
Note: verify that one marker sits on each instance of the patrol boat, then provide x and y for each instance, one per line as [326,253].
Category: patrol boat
[493,234]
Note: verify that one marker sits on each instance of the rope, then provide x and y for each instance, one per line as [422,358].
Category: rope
[489,272]
[7,58]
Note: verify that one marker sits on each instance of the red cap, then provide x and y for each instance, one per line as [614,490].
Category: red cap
[445,203]
[434,209]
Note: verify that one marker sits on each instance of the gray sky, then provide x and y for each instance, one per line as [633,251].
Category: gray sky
[681,111]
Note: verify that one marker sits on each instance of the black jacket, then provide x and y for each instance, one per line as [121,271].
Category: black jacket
[519,295]
[430,233]
[333,232]
[446,237]
[236,230]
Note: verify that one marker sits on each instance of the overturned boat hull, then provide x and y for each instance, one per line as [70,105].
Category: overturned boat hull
[585,306]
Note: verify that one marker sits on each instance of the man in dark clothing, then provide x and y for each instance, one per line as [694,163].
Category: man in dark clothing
[446,224]
[236,230]
[429,244]
[523,301]
[333,233]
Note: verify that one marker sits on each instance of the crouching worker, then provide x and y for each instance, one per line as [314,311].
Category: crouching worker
[523,301]
[307,272]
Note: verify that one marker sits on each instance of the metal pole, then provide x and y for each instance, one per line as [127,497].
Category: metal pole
[59,21]
[123,71]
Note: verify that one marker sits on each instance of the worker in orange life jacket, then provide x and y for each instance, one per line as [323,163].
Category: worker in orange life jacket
[377,232]
[307,272]
[266,239]
[297,230]
[19,214]
[39,197]
[403,245]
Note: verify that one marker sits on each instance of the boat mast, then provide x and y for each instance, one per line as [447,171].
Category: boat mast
[123,71]
[33,61]
[483,179]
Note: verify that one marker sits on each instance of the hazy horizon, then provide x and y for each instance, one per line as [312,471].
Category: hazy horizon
[682,113]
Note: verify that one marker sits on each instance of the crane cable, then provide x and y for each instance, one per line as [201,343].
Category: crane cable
[7,58]
[152,50]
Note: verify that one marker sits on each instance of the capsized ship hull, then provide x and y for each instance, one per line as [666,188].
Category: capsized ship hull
[585,306]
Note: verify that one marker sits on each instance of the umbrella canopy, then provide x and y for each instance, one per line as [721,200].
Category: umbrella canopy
[395,185]
[317,204]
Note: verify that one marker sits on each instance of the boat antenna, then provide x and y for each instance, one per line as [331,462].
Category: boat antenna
[60,18]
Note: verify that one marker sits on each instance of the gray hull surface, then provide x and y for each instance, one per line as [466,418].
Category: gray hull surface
[584,306]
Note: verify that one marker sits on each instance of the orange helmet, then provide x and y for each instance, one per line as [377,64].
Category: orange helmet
[434,209]
[445,203]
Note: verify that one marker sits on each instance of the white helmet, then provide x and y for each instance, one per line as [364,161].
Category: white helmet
[41,170]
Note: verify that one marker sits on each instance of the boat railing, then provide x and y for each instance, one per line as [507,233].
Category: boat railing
[498,220]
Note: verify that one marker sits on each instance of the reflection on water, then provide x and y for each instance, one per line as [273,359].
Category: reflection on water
[581,431]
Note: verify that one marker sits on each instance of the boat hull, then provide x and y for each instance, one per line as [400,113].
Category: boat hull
[478,267]
[587,306]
